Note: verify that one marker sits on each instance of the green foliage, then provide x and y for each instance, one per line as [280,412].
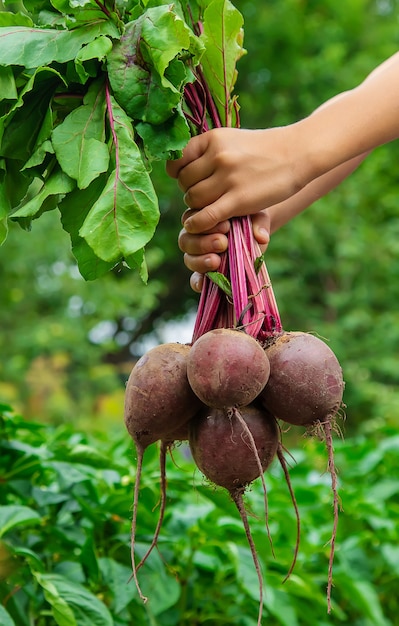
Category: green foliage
[93,93]
[65,530]
[222,36]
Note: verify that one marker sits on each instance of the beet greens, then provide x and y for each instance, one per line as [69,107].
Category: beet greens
[92,94]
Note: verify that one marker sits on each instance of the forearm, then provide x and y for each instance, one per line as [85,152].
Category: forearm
[228,172]
[353,123]
[283,212]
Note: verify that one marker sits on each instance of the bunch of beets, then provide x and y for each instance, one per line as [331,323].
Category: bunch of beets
[228,392]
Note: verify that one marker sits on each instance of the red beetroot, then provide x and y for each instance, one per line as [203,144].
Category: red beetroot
[222,449]
[227,367]
[305,383]
[158,402]
[158,398]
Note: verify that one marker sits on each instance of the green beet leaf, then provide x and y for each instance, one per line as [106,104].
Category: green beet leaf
[137,261]
[57,184]
[80,12]
[125,216]
[7,18]
[35,47]
[79,141]
[145,71]
[164,36]
[14,185]
[167,140]
[90,94]
[74,209]
[221,281]
[97,49]
[8,89]
[38,157]
[22,125]
[222,38]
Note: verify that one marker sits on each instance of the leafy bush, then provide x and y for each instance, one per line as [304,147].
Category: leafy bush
[65,524]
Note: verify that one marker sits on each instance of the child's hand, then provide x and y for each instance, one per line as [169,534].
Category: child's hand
[228,172]
[202,252]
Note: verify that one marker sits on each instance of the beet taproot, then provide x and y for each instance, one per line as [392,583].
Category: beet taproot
[305,388]
[168,441]
[232,448]
[227,367]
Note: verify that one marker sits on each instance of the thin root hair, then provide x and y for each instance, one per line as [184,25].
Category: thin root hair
[281,458]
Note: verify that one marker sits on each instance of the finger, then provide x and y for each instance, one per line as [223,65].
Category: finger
[202,263]
[187,213]
[261,228]
[195,173]
[203,191]
[207,218]
[196,282]
[202,244]
[193,150]
[221,227]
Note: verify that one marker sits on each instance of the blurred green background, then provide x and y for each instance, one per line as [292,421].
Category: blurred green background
[67,348]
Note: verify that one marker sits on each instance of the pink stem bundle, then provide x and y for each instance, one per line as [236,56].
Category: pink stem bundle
[251,304]
[246,299]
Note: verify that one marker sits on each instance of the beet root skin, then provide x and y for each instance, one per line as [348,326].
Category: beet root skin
[221,448]
[226,368]
[305,384]
[158,397]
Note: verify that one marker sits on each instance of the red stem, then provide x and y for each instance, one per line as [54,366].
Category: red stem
[103,8]
[253,306]
[115,139]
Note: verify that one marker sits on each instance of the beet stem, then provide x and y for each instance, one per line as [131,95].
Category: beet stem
[140,454]
[239,502]
[283,463]
[247,431]
[162,504]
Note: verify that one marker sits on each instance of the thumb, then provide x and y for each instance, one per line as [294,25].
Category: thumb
[261,228]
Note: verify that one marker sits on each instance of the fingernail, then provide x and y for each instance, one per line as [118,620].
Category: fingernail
[187,225]
[218,246]
[264,234]
[208,261]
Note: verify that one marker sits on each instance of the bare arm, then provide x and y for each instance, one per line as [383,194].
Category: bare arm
[354,122]
[227,172]
[281,213]
[201,252]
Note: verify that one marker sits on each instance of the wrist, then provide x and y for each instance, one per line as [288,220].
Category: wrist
[339,130]
[320,148]
[303,153]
